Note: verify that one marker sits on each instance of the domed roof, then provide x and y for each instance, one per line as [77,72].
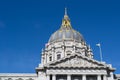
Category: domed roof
[66,32]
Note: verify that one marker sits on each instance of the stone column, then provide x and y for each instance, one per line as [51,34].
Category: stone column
[112,76]
[53,54]
[84,77]
[45,58]
[104,77]
[53,77]
[48,77]
[68,77]
[99,77]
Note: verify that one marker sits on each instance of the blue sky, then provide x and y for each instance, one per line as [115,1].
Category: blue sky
[26,26]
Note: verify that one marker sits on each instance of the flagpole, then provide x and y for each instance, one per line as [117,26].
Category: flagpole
[99,45]
[100,53]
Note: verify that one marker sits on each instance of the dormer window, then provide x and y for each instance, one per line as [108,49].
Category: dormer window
[58,56]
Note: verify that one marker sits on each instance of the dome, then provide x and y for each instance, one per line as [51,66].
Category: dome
[66,32]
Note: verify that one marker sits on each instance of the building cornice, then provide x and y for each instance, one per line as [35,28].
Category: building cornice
[18,74]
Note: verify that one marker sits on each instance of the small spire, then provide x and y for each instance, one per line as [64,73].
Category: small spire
[66,21]
[65,11]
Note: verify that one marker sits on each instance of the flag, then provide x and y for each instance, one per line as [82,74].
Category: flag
[98,44]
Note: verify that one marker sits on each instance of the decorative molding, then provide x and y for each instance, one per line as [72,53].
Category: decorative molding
[76,61]
[77,71]
[18,74]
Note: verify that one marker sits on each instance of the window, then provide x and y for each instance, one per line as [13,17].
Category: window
[68,54]
[30,79]
[58,56]
[9,78]
[19,79]
[50,58]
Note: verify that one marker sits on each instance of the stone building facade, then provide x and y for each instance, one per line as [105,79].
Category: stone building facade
[66,57]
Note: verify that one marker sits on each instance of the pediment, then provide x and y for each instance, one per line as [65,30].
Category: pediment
[76,61]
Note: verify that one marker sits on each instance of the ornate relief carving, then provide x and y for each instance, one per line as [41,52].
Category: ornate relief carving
[76,62]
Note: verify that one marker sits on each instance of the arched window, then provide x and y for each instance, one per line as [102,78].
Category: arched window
[50,58]
[19,79]
[10,79]
[58,56]
[68,52]
[30,79]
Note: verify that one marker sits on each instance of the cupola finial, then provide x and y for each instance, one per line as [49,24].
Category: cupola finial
[66,21]
[65,11]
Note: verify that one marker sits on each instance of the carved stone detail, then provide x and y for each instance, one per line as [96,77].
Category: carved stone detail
[76,62]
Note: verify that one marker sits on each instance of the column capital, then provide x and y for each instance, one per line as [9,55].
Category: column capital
[69,74]
[104,77]
[54,74]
